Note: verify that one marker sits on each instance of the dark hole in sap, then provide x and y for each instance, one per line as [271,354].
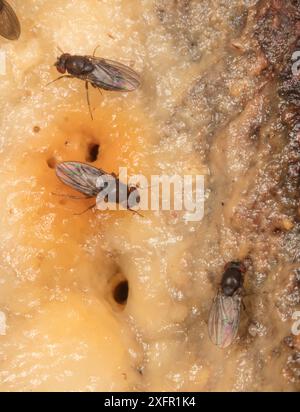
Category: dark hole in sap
[92,152]
[51,162]
[120,292]
[36,129]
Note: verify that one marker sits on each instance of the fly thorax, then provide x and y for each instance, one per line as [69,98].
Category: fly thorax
[76,65]
[231,281]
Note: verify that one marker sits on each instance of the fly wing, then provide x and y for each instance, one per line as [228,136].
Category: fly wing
[9,22]
[80,176]
[111,75]
[224,319]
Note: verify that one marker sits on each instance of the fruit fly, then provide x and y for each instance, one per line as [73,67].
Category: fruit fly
[9,22]
[100,73]
[224,317]
[94,182]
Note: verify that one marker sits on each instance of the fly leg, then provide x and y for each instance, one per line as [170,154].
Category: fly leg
[71,196]
[105,198]
[60,77]
[92,206]
[245,309]
[88,99]
[98,88]
[77,198]
[134,211]
[86,210]
[94,52]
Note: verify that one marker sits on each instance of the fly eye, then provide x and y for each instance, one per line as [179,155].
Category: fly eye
[60,68]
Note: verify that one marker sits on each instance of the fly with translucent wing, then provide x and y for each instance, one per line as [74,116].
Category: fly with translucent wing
[224,317]
[98,72]
[9,22]
[96,183]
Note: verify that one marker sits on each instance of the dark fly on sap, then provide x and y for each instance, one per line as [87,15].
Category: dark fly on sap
[9,22]
[224,317]
[96,183]
[98,72]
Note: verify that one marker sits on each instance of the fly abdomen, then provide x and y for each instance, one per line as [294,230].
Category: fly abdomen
[80,176]
[224,319]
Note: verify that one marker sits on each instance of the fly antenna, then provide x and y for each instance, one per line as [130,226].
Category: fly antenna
[60,49]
